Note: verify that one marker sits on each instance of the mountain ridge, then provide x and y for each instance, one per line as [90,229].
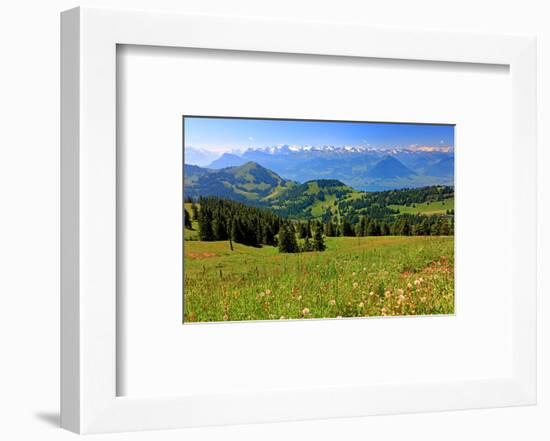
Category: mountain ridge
[358,167]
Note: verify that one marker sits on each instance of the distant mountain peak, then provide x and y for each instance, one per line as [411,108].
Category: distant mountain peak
[390,167]
[227,160]
[290,149]
[199,156]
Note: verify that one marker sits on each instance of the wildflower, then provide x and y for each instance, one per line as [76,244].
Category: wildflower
[299,298]
[282,317]
[401,299]
[422,299]
[371,293]
[355,285]
[400,292]
[267,292]
[353,274]
[409,286]
[361,305]
[383,311]
[332,302]
[225,317]
[364,269]
[305,311]
[417,282]
[387,294]
[262,294]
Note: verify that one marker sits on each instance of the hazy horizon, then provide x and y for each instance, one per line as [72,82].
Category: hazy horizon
[236,135]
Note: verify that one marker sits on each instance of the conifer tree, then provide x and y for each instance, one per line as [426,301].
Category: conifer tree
[205,225]
[318,239]
[372,228]
[362,226]
[287,239]
[307,245]
[303,230]
[187,219]
[195,211]
[346,228]
[330,229]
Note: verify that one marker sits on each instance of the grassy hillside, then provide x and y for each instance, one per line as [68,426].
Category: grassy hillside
[248,183]
[354,277]
[312,199]
[435,207]
[253,184]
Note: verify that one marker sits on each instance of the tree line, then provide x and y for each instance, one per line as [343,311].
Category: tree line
[377,205]
[221,219]
[401,225]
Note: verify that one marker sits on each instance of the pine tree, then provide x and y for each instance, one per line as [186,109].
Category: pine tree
[187,219]
[205,225]
[307,245]
[233,233]
[195,211]
[318,239]
[287,239]
[442,227]
[372,228]
[346,228]
[219,231]
[362,226]
[406,231]
[304,230]
[330,229]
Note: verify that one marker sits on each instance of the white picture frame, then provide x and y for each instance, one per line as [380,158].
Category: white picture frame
[89,38]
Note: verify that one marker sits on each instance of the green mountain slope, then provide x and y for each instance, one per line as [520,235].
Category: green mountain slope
[323,199]
[249,182]
[313,199]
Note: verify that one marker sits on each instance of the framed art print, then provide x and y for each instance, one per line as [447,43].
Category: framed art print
[267,220]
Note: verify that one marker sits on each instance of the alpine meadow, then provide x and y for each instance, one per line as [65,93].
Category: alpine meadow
[296,219]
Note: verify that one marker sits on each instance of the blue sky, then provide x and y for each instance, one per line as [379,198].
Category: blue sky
[226,134]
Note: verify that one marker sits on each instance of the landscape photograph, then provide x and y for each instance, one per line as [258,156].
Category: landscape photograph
[287,219]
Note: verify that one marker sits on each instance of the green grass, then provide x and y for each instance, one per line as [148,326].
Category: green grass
[354,277]
[319,207]
[438,207]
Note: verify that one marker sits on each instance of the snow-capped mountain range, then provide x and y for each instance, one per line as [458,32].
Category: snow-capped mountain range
[361,167]
[285,148]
